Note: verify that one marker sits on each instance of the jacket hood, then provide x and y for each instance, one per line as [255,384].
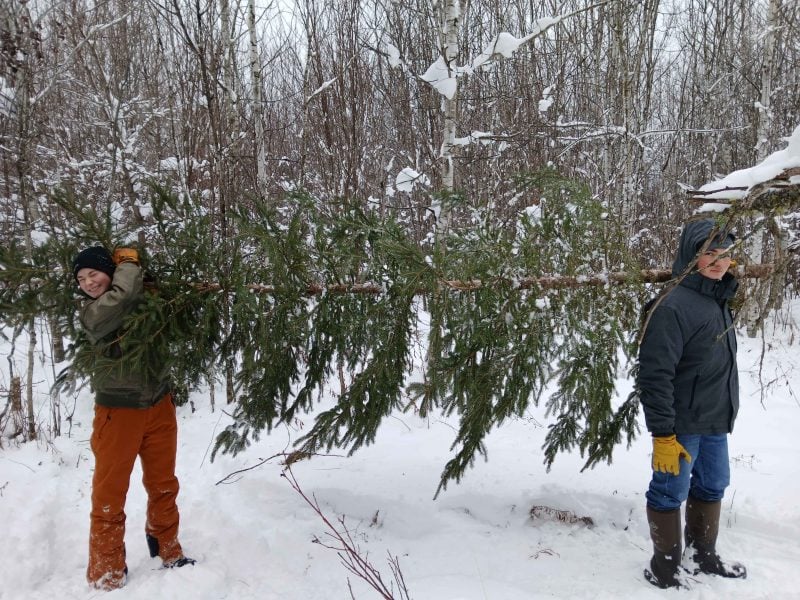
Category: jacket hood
[694,235]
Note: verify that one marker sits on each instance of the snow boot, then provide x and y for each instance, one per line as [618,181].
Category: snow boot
[152,545]
[702,528]
[111,581]
[181,562]
[665,531]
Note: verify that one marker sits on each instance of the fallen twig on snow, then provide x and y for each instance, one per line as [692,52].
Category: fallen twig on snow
[350,554]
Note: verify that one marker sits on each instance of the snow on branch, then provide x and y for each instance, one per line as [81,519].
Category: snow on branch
[780,192]
[328,83]
[444,77]
[504,44]
[321,89]
[773,183]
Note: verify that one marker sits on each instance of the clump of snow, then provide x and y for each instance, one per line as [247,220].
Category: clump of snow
[505,44]
[407,178]
[547,99]
[39,238]
[713,207]
[482,137]
[533,213]
[173,163]
[116,212]
[145,209]
[169,164]
[325,85]
[443,79]
[436,208]
[393,53]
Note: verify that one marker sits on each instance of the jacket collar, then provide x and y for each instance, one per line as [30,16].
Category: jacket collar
[721,290]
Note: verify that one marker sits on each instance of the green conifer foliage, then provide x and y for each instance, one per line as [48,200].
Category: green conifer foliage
[500,349]
[269,331]
[295,346]
[333,302]
[174,330]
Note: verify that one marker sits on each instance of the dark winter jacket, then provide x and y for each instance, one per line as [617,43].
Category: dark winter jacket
[115,383]
[688,380]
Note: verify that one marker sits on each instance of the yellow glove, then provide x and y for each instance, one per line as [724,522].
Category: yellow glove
[122,255]
[667,453]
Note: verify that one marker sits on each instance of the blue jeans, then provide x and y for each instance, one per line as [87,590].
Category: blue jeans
[705,478]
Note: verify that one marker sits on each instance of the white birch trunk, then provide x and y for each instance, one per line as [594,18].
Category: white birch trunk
[450,20]
[257,99]
[228,66]
[31,218]
[765,296]
[767,73]
[229,128]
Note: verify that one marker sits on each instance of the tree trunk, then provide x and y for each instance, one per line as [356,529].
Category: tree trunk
[766,295]
[15,399]
[27,200]
[450,21]
[257,100]
[764,128]
[56,340]
[30,413]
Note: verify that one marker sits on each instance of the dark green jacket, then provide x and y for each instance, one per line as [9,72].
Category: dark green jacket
[115,382]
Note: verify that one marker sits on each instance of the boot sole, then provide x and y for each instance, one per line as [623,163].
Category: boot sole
[655,581]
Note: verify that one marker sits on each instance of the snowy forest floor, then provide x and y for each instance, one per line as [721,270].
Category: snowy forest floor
[253,535]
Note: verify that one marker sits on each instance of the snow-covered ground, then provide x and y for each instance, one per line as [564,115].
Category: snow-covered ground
[253,535]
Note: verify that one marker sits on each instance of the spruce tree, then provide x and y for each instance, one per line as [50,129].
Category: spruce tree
[306,298]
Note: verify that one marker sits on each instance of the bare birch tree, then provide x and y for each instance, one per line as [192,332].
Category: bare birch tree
[257,99]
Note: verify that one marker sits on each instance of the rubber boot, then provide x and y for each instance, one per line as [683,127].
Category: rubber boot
[702,528]
[152,545]
[665,531]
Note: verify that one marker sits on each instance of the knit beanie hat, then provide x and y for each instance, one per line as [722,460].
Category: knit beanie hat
[97,258]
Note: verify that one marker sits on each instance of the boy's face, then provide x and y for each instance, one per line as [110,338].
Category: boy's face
[714,263]
[93,283]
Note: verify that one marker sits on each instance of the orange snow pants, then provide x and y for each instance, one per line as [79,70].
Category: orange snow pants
[119,435]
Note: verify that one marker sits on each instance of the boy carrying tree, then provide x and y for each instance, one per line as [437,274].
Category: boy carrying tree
[134,416]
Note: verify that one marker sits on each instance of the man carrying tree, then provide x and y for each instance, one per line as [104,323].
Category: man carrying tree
[134,416]
[689,390]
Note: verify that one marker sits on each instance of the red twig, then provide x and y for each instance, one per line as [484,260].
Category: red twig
[348,551]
